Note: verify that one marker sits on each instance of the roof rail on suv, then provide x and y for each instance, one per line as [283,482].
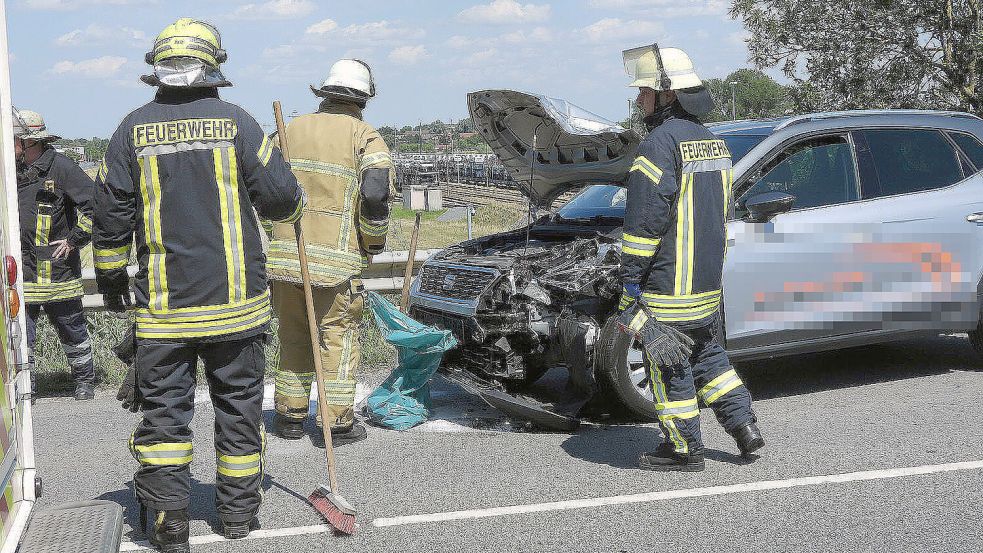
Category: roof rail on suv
[868,112]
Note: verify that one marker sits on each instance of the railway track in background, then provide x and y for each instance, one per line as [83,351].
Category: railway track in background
[460,194]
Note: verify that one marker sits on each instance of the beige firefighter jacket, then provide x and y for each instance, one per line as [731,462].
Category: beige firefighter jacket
[344,166]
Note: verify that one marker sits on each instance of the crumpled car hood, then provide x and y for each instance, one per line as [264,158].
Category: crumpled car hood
[573,146]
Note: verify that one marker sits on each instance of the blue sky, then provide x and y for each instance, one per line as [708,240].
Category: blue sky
[78,61]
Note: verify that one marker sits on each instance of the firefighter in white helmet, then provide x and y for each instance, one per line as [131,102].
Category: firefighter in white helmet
[345,168]
[679,197]
[55,198]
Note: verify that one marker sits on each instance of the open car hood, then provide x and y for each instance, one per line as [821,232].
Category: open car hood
[573,146]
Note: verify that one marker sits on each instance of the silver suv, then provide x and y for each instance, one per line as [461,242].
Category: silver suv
[849,228]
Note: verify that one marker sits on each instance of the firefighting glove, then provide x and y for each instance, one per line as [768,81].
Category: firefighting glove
[664,345]
[115,289]
[129,394]
[125,350]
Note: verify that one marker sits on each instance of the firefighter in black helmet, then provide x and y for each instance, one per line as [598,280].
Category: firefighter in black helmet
[672,259]
[184,173]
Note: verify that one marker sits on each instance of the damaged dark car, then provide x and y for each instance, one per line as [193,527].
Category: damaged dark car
[525,301]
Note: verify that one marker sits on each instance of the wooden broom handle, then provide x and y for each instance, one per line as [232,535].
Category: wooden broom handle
[305,277]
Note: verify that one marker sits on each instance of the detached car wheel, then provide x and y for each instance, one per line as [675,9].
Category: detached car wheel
[621,363]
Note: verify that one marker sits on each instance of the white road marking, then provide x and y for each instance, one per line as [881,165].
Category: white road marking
[254,535]
[678,494]
[595,502]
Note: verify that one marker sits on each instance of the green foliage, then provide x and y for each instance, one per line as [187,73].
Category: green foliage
[389,135]
[758,96]
[857,54]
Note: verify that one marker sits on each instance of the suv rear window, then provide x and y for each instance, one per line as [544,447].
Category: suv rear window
[911,160]
[970,146]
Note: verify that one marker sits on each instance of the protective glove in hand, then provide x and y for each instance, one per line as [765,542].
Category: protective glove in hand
[129,394]
[115,289]
[665,345]
[126,351]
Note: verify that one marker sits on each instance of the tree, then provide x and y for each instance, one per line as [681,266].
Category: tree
[871,53]
[758,96]
[389,135]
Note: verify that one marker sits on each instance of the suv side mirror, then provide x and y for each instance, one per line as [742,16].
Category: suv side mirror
[762,207]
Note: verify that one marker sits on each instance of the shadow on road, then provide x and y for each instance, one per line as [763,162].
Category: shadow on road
[847,368]
[619,446]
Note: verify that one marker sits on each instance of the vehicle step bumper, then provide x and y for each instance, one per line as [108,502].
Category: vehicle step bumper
[83,527]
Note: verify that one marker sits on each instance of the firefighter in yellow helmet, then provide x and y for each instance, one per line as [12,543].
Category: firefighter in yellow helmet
[183,174]
[345,167]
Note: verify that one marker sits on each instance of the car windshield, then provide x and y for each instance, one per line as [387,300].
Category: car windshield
[740,144]
[595,202]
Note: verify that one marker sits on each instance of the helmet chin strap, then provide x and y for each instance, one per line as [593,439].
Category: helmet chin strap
[659,115]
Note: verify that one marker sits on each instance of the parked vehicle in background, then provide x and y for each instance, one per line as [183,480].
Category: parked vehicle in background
[849,228]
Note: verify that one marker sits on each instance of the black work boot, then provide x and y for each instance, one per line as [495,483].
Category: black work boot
[84,391]
[170,531]
[287,428]
[665,458]
[238,530]
[748,439]
[343,436]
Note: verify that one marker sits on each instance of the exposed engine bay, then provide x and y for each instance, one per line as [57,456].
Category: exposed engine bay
[523,308]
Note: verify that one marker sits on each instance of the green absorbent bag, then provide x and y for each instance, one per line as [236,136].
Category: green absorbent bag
[402,401]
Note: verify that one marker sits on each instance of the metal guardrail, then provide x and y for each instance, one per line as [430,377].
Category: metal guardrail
[384,274]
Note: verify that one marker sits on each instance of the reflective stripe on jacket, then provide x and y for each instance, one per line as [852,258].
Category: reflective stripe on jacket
[675,235]
[184,173]
[55,203]
[345,168]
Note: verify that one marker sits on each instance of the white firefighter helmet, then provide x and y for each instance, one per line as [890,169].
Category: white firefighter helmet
[29,125]
[668,69]
[348,79]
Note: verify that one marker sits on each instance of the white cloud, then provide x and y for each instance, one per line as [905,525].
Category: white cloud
[275,9]
[321,27]
[96,67]
[459,42]
[380,31]
[408,54]
[612,29]
[539,34]
[665,8]
[94,34]
[739,38]
[505,11]
[482,57]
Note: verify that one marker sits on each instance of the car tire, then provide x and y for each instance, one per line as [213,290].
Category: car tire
[976,337]
[613,367]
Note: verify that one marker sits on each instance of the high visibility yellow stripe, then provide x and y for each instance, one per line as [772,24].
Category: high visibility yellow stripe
[726,176]
[239,465]
[643,161]
[206,312]
[206,330]
[693,297]
[83,222]
[645,171]
[169,453]
[637,252]
[640,240]
[237,218]
[691,237]
[720,386]
[691,306]
[156,273]
[297,213]
[265,151]
[148,321]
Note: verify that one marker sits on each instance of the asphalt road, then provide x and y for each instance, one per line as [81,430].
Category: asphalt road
[872,413]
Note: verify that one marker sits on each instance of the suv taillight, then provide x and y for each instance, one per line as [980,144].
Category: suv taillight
[11,264]
[13,303]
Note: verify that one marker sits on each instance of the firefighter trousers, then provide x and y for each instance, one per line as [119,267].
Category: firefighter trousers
[162,442]
[707,377]
[68,318]
[339,312]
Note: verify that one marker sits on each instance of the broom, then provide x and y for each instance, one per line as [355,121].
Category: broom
[339,513]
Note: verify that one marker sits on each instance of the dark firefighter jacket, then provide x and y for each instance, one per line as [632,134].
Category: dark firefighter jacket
[675,235]
[55,198]
[183,173]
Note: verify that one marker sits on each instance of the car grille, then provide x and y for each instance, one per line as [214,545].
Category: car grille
[454,282]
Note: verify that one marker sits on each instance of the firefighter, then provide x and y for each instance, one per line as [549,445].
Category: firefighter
[672,257]
[55,198]
[183,174]
[345,167]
